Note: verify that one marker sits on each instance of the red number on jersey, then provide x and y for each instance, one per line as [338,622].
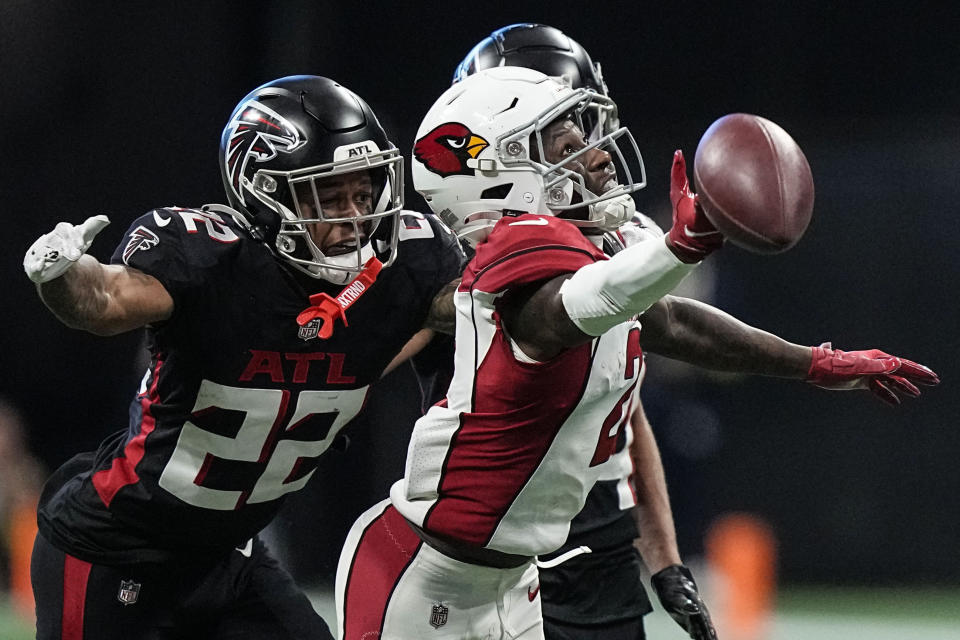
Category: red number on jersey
[620,415]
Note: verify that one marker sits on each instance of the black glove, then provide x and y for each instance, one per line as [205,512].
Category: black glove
[679,596]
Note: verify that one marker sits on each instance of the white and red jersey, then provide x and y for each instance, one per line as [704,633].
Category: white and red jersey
[508,459]
[606,519]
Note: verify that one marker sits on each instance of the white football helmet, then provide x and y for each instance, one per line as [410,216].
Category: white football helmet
[479,154]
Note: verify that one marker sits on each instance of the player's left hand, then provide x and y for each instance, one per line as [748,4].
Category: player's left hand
[881,373]
[679,596]
[55,252]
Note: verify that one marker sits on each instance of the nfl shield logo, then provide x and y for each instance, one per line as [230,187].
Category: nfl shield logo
[129,592]
[309,330]
[438,616]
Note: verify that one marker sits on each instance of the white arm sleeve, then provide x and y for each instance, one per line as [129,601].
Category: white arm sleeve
[604,294]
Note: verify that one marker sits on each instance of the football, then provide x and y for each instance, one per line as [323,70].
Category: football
[754,183]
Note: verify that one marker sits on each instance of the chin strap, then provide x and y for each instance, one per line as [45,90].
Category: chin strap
[328,309]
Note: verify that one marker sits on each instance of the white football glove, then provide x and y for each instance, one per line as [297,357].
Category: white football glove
[55,252]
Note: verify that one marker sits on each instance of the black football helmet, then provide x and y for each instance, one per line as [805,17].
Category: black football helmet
[280,140]
[535,46]
[545,49]
[548,50]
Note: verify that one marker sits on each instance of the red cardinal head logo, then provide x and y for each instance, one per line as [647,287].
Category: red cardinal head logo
[446,149]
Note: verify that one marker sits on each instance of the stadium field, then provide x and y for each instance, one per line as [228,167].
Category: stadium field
[828,614]
[806,613]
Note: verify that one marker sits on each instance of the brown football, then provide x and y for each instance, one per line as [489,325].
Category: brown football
[754,183]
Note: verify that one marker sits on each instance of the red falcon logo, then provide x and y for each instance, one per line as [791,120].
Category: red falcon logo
[445,150]
[257,132]
[141,238]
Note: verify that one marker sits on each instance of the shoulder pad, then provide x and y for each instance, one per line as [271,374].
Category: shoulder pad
[417,226]
[528,232]
[429,247]
[179,234]
[528,248]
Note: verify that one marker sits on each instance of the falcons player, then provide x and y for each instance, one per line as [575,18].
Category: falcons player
[548,356]
[266,326]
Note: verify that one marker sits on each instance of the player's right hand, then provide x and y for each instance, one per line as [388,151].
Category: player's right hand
[55,252]
[680,598]
[692,236]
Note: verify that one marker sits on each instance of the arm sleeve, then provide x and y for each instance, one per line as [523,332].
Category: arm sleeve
[603,294]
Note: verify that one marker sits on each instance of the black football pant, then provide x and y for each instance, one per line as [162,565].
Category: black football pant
[241,596]
[622,630]
[604,585]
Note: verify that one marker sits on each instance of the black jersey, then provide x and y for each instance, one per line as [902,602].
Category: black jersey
[239,400]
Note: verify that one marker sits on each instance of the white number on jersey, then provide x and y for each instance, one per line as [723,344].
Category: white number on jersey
[262,408]
[214,224]
[413,225]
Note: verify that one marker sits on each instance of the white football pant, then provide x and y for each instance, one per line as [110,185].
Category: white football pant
[393,586]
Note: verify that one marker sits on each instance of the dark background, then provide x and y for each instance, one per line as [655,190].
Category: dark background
[117,108]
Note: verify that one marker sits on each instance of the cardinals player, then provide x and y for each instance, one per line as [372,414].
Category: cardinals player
[592,586]
[547,362]
[600,594]
[266,325]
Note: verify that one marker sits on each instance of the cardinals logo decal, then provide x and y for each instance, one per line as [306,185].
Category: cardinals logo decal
[259,133]
[446,149]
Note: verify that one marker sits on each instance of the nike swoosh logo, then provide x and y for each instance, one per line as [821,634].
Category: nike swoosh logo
[539,222]
[533,594]
[161,222]
[246,550]
[693,234]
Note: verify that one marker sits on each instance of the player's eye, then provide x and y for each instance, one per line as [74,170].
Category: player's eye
[328,203]
[456,143]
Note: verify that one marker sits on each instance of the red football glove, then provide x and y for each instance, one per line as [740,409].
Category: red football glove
[880,372]
[692,237]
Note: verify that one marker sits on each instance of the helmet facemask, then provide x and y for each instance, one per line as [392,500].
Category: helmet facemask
[296,198]
[567,191]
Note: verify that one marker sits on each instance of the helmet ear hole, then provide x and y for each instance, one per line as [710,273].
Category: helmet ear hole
[499,192]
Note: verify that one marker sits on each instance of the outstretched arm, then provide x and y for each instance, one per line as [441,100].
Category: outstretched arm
[546,318]
[702,335]
[85,294]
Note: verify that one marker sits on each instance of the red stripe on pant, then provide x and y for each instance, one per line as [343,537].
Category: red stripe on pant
[384,552]
[75,575]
